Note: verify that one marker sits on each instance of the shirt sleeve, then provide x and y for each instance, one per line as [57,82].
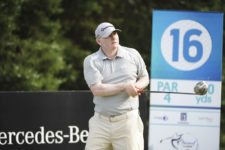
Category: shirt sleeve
[142,71]
[91,71]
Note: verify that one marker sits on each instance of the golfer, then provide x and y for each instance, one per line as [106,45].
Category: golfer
[116,75]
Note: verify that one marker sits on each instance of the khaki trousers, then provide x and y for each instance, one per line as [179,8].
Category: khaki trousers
[123,132]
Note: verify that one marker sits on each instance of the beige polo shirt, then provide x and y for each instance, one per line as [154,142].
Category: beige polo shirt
[127,66]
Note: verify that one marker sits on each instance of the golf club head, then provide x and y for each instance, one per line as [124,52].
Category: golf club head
[201,88]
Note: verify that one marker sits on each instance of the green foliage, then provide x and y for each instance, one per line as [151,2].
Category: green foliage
[31,57]
[33,65]
[73,69]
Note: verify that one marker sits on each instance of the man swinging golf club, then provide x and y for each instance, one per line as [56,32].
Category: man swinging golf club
[116,76]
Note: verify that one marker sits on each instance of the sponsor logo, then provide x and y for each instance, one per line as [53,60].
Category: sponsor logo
[162,118]
[43,136]
[183,118]
[206,119]
[181,142]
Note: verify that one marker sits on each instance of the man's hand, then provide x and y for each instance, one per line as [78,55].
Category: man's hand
[140,90]
[132,90]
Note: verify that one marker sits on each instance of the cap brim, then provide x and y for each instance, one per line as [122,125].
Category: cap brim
[110,32]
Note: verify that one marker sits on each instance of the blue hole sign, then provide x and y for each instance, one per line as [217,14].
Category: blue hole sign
[187,45]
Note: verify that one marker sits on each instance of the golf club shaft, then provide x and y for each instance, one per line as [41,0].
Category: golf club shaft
[166,92]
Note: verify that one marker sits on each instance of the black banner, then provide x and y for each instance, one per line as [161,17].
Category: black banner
[49,120]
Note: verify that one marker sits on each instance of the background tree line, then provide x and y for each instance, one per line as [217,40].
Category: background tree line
[43,42]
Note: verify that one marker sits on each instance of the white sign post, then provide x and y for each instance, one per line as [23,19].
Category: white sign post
[186,49]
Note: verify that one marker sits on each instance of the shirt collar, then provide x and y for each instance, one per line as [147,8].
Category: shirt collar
[101,54]
[120,53]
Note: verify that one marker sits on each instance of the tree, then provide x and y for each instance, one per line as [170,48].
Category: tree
[30,54]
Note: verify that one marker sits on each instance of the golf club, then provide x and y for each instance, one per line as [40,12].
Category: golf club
[166,92]
[200,88]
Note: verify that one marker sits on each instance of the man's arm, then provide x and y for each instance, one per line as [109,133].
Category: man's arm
[142,83]
[101,89]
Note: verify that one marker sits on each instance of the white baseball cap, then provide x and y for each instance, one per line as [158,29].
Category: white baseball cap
[104,29]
